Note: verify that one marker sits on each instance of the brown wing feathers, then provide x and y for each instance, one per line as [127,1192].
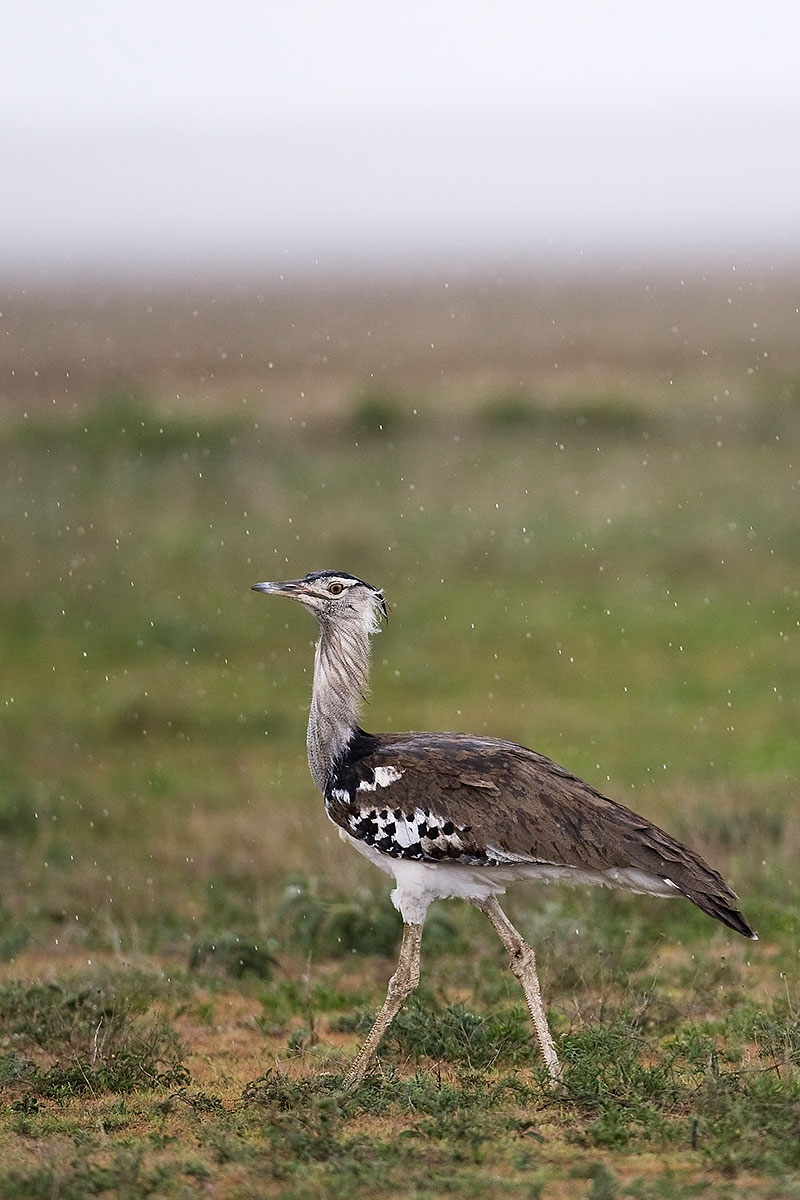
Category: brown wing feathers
[506,798]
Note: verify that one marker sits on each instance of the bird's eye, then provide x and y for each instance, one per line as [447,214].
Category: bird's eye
[335,589]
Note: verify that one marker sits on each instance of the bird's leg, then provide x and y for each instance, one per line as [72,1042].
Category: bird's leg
[522,961]
[401,985]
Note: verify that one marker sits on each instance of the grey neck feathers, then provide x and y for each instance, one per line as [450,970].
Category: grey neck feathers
[341,672]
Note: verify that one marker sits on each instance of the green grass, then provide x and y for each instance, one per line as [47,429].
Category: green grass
[190,956]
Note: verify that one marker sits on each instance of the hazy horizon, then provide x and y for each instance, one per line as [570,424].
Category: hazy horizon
[323,138]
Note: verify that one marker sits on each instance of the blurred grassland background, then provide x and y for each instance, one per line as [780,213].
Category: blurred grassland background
[583,501]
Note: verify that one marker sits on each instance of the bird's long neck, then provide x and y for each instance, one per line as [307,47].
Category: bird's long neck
[341,673]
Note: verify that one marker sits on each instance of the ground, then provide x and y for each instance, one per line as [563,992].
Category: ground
[582,502]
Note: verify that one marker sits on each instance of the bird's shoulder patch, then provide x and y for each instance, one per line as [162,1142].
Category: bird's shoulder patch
[380,805]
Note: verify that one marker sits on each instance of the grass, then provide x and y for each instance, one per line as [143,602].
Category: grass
[189,957]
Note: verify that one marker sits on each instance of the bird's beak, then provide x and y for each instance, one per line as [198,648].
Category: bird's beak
[289,587]
[295,589]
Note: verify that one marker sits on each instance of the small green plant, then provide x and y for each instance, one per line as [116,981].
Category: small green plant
[455,1034]
[511,411]
[317,921]
[93,1037]
[377,411]
[231,954]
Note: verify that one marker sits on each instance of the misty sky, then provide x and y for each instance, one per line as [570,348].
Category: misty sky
[310,131]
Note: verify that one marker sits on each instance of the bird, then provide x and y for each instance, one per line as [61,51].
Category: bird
[455,815]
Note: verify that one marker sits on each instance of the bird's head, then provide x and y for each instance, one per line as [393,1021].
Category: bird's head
[338,600]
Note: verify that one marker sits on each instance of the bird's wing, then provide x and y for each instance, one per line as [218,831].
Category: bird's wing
[484,801]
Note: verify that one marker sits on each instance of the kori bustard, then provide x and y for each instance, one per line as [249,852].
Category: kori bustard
[452,815]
